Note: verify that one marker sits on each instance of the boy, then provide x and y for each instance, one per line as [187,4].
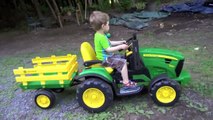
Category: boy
[104,48]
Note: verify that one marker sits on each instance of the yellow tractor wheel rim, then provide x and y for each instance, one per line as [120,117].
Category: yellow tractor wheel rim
[93,98]
[43,101]
[166,94]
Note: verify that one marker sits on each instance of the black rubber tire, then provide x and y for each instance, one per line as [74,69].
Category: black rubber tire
[157,79]
[58,90]
[47,93]
[175,85]
[100,85]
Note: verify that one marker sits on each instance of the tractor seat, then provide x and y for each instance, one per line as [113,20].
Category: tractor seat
[89,57]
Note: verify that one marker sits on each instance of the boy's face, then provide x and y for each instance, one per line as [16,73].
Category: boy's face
[105,27]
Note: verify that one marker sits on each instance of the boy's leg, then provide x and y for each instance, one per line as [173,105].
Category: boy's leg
[125,77]
[116,61]
[124,74]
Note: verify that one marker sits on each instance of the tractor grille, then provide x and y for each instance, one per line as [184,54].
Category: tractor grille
[179,68]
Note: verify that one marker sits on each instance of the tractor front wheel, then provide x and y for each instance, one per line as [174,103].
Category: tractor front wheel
[165,92]
[94,95]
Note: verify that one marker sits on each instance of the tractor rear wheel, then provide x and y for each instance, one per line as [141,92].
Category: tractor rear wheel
[165,92]
[94,95]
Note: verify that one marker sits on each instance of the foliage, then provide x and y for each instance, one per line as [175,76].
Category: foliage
[125,4]
[105,5]
[139,109]
[205,88]
[198,106]
[161,109]
[158,1]
[44,9]
[67,9]
[100,116]
[140,5]
[192,104]
[22,25]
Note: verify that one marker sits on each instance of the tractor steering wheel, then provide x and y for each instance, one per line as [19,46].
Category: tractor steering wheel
[129,41]
[130,44]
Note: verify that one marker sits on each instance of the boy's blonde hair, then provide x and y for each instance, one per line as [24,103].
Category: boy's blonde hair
[97,19]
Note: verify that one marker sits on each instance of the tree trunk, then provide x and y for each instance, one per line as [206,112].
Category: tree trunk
[100,2]
[23,7]
[15,4]
[38,9]
[116,1]
[78,11]
[112,3]
[133,3]
[90,2]
[52,10]
[85,10]
[57,13]
[151,5]
[69,2]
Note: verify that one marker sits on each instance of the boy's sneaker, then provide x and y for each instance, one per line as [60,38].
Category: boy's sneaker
[129,87]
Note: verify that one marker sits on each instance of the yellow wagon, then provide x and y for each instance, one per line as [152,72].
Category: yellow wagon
[48,73]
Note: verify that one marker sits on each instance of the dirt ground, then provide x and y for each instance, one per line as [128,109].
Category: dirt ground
[194,31]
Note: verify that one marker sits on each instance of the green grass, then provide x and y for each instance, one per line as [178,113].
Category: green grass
[195,105]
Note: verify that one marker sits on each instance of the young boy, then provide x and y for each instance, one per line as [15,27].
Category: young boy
[104,48]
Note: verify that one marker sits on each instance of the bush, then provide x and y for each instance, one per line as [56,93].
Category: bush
[125,4]
[101,6]
[140,5]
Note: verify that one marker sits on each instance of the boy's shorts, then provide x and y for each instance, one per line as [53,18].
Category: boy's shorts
[115,61]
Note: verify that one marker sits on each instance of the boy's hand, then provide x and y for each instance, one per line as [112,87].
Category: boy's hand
[117,48]
[123,42]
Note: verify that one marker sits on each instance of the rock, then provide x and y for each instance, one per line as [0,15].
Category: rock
[197,48]
[169,34]
[161,25]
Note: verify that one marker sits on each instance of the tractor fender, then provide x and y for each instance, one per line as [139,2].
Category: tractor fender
[95,72]
[94,76]
[157,79]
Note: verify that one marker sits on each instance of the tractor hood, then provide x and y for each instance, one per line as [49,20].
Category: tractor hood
[161,53]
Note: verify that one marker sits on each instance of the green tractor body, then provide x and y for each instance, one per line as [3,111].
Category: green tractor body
[161,61]
[159,70]
[151,63]
[156,61]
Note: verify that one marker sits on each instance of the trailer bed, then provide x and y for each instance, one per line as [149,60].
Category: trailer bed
[48,72]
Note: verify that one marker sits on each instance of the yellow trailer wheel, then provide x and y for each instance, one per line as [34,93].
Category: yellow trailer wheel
[44,99]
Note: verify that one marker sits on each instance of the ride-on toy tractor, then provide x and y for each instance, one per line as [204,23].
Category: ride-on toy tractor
[159,70]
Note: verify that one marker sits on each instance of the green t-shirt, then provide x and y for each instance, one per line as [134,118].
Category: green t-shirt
[101,43]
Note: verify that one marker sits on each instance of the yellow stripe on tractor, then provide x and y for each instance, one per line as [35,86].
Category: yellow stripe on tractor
[160,56]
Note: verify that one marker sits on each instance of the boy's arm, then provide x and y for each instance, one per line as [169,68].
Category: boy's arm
[117,42]
[116,48]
